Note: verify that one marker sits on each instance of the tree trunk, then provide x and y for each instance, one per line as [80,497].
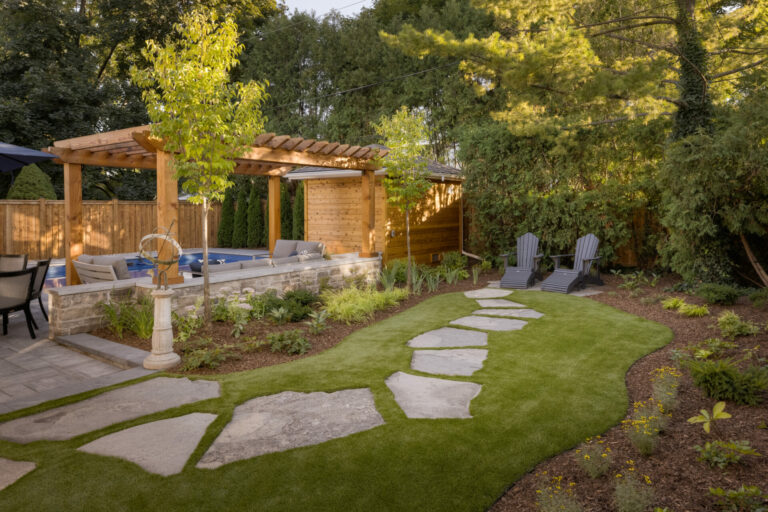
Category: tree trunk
[408,247]
[206,281]
[753,260]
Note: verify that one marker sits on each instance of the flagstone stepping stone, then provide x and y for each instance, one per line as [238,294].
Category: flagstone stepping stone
[427,397]
[288,420]
[108,408]
[449,337]
[12,470]
[499,303]
[462,362]
[517,313]
[488,323]
[161,447]
[487,293]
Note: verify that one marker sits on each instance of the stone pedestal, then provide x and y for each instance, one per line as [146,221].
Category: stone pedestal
[162,356]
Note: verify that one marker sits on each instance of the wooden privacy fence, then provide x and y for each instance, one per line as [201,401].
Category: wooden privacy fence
[37,227]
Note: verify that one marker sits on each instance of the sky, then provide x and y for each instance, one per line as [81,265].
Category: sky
[322,7]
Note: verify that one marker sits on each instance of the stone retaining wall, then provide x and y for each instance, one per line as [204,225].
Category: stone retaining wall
[76,309]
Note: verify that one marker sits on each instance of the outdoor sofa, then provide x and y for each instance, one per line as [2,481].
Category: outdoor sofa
[286,251]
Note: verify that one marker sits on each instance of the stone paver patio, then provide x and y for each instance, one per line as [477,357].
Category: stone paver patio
[514,313]
[449,337]
[463,362]
[488,323]
[425,397]
[12,470]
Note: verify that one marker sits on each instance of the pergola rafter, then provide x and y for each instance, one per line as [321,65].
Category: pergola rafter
[270,155]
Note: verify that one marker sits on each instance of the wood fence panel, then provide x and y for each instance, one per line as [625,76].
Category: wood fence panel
[36,227]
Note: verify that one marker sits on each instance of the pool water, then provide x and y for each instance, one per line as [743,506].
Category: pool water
[140,264]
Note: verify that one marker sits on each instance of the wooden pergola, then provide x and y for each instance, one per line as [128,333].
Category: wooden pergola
[270,155]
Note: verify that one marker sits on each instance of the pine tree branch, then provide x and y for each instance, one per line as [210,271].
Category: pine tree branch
[628,27]
[739,69]
[669,49]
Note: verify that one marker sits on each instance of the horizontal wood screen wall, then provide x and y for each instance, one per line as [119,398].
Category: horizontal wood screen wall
[37,227]
[333,214]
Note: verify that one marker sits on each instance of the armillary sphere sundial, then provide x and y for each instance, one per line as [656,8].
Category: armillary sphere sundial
[161,266]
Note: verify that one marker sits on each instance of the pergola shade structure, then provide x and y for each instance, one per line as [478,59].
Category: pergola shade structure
[269,155]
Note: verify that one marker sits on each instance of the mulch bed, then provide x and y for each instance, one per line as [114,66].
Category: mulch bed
[259,329]
[679,481]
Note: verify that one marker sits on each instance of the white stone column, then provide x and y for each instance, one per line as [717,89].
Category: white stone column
[162,356]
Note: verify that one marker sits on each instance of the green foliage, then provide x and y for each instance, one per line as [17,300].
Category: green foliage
[759,297]
[747,498]
[352,304]
[208,357]
[115,322]
[647,421]
[255,219]
[280,315]
[723,453]
[302,296]
[136,316]
[722,380]
[452,275]
[715,293]
[665,382]
[632,495]
[318,322]
[672,303]
[289,342]
[227,222]
[433,281]
[594,457]
[186,325]
[635,280]
[240,229]
[298,212]
[553,496]
[731,325]
[286,213]
[31,183]
[707,419]
[692,310]
[454,260]
[475,274]
[711,347]
[419,277]
[388,277]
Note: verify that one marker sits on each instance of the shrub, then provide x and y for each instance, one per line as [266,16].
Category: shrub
[227,223]
[280,315]
[722,380]
[722,453]
[115,322]
[433,281]
[630,494]
[302,296]
[387,278]
[452,275]
[208,357]
[672,303]
[594,457]
[358,304]
[298,212]
[475,274]
[286,214]
[665,387]
[140,317]
[692,310]
[256,219]
[553,496]
[418,278]
[240,228]
[296,310]
[187,325]
[318,322]
[486,265]
[454,260]
[722,294]
[710,347]
[759,297]
[731,325]
[749,498]
[289,342]
[31,183]
[644,426]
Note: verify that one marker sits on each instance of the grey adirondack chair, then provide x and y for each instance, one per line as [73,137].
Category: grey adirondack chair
[523,274]
[566,280]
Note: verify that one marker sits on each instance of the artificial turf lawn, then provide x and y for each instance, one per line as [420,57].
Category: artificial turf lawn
[545,388]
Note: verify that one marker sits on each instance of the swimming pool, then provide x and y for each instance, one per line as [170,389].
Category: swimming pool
[140,264]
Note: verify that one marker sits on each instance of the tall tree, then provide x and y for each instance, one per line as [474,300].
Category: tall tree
[227,222]
[286,213]
[206,121]
[407,179]
[255,218]
[298,212]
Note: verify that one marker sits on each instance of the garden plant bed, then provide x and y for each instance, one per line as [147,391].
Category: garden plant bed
[679,481]
[220,333]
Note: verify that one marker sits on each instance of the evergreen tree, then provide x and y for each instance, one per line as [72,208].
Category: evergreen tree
[31,183]
[266,228]
[298,212]
[255,219]
[227,223]
[240,231]
[286,217]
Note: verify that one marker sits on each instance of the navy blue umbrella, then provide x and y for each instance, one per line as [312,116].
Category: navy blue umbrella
[12,157]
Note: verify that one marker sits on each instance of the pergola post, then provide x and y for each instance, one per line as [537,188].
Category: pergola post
[368,214]
[167,210]
[73,218]
[273,207]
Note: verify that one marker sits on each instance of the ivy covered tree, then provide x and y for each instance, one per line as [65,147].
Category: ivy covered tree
[31,183]
[227,222]
[203,119]
[407,179]
[298,212]
[255,218]
[240,231]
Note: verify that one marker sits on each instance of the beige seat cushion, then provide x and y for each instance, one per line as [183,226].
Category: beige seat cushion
[284,248]
[283,261]
[117,262]
[310,256]
[225,267]
[262,262]
[304,248]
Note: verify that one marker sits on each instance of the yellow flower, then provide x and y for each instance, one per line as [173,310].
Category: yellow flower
[647,479]
[586,457]
[605,455]
[618,475]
